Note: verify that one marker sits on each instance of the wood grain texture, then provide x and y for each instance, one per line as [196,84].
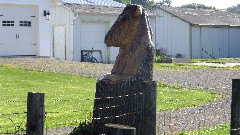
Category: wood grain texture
[35,113]
[235,107]
[127,96]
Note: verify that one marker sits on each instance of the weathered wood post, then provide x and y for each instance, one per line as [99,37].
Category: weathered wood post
[127,96]
[116,129]
[235,107]
[35,113]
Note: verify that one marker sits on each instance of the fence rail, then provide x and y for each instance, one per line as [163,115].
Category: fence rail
[18,126]
[168,122]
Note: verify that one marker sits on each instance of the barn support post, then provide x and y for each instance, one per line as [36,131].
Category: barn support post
[235,108]
[35,113]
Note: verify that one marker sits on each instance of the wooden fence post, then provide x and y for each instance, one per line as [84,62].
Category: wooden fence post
[117,129]
[149,112]
[35,113]
[235,107]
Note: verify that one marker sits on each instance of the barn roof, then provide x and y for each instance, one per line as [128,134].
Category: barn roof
[85,8]
[204,17]
[95,2]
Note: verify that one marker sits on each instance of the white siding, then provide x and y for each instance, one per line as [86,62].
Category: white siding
[44,29]
[152,21]
[25,2]
[108,54]
[43,25]
[62,16]
[173,35]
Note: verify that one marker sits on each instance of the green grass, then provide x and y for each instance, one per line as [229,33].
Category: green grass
[223,129]
[70,97]
[214,60]
[178,66]
[170,97]
[188,66]
[77,91]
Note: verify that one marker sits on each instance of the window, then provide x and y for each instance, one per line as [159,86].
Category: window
[7,23]
[25,23]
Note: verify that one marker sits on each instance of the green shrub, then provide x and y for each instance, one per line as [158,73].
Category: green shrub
[84,128]
[157,59]
[178,55]
[161,58]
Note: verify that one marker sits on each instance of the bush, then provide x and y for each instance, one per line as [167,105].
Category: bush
[178,55]
[161,58]
[157,59]
[84,128]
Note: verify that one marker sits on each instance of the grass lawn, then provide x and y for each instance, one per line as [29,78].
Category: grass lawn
[69,98]
[181,66]
[170,97]
[214,60]
[223,129]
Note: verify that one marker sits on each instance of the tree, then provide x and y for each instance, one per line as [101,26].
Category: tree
[124,1]
[197,6]
[234,9]
[165,3]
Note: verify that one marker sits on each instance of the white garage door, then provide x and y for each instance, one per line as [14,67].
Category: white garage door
[17,30]
[92,38]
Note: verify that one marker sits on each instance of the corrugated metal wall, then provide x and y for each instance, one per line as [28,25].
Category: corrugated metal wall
[172,35]
[208,42]
[234,42]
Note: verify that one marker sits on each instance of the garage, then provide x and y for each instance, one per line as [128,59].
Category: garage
[92,40]
[18,30]
[83,33]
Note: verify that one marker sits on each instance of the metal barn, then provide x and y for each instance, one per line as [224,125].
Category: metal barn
[197,33]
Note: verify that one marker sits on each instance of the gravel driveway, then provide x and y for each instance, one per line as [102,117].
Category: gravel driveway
[213,79]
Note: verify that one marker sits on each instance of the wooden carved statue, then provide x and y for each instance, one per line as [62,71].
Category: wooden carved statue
[132,33]
[127,96]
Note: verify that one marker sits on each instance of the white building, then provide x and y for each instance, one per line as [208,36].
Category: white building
[24,29]
[72,28]
[77,26]
[80,27]
[198,33]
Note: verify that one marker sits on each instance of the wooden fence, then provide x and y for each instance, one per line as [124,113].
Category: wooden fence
[235,107]
[35,113]
[129,103]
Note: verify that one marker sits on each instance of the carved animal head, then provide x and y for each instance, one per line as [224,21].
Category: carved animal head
[132,33]
[126,27]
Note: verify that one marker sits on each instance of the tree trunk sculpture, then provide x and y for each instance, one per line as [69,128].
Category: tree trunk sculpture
[127,96]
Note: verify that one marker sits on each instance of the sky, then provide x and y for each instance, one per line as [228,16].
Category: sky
[220,4]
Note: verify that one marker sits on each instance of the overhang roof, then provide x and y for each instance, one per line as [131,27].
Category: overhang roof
[97,9]
[204,17]
[95,2]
